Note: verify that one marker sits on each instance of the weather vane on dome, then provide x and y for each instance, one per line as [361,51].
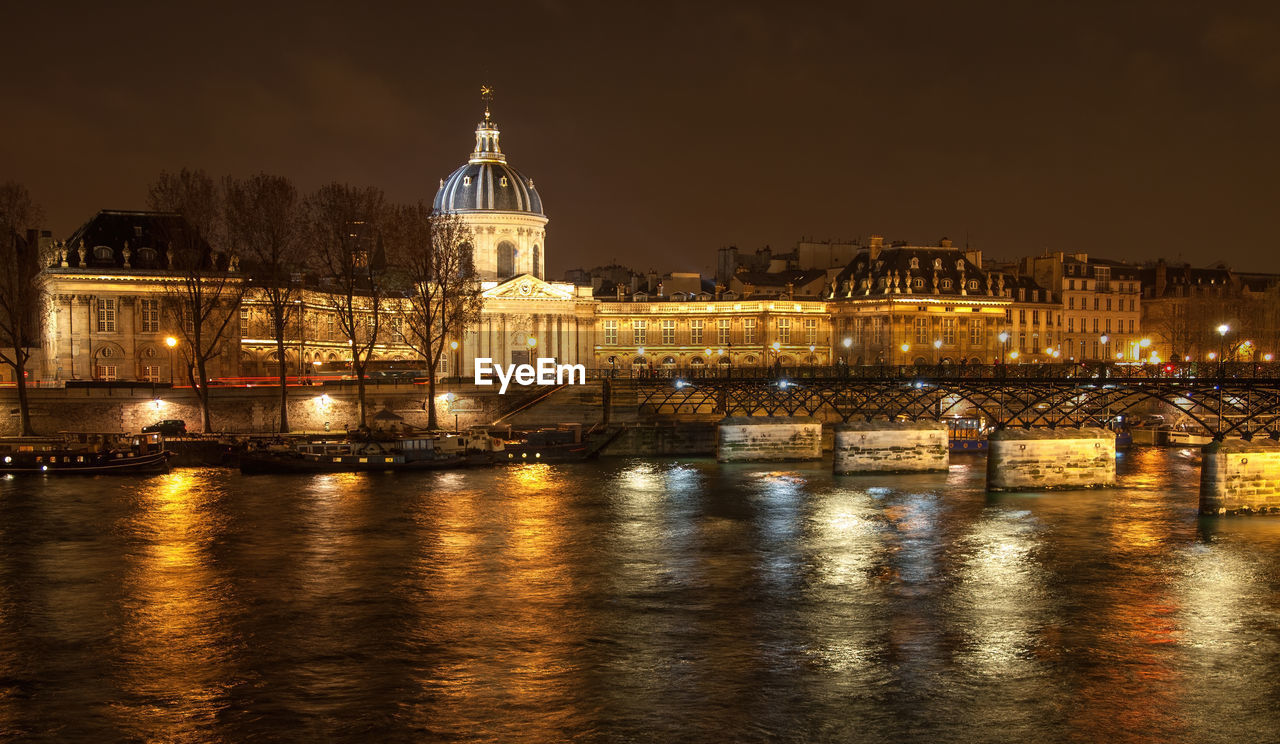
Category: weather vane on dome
[486,95]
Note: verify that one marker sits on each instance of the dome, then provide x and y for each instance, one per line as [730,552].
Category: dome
[487,185]
[486,182]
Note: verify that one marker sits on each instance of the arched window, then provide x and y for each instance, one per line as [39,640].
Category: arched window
[946,284]
[102,253]
[506,260]
[537,261]
[917,283]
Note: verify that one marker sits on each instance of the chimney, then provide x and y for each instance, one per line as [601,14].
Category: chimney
[945,243]
[875,246]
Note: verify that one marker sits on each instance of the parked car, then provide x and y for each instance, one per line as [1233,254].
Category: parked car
[168,427]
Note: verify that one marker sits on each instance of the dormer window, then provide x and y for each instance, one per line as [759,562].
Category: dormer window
[946,284]
[466,180]
[146,255]
[915,262]
[102,253]
[937,264]
[960,265]
[917,283]
[502,182]
[973,284]
[137,231]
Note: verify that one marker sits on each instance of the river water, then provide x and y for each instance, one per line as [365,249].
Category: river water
[634,600]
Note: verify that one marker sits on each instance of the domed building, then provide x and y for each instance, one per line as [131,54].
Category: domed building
[500,205]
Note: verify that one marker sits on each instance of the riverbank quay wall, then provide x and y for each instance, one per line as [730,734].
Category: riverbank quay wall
[1042,459]
[890,447]
[252,410]
[1239,477]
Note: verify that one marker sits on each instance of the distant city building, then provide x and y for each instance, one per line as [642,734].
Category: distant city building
[1101,305]
[1182,308]
[106,318]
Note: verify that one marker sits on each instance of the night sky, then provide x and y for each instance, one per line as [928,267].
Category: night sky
[657,133]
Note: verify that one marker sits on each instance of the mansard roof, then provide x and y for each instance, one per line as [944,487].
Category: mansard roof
[895,270]
[146,236]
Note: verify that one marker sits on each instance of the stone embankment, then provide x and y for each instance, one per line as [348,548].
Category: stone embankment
[890,447]
[1239,477]
[768,439]
[1038,459]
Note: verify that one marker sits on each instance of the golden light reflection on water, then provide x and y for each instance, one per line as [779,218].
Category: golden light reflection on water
[176,647]
[502,606]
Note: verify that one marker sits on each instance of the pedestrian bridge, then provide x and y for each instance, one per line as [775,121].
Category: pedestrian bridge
[1224,400]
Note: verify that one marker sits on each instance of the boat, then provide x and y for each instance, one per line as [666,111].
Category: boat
[966,435]
[564,443]
[85,454]
[378,453]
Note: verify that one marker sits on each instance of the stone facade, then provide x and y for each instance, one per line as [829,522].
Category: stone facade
[1041,459]
[890,447]
[1240,477]
[768,439]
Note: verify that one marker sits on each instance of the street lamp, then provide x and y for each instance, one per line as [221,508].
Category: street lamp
[905,348]
[457,360]
[1222,352]
[1004,344]
[171,342]
[1103,340]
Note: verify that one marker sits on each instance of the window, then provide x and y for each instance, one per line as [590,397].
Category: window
[1071,325]
[1071,303]
[1095,303]
[948,331]
[917,283]
[1022,316]
[1108,325]
[150,310]
[784,330]
[722,332]
[105,372]
[977,327]
[151,372]
[668,332]
[332,331]
[1035,317]
[106,315]
[640,332]
[1108,303]
[695,331]
[877,330]
[1130,325]
[749,331]
[811,331]
[946,284]
[937,264]
[102,253]
[922,331]
[611,332]
[915,262]
[1095,325]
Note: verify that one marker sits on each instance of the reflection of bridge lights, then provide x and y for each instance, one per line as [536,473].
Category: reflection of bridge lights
[782,384]
[681,384]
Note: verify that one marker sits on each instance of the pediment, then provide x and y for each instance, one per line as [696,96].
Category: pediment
[528,287]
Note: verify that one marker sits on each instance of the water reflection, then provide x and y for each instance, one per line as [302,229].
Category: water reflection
[677,600]
[176,649]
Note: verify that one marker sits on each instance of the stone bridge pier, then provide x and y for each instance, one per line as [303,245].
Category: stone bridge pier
[1040,459]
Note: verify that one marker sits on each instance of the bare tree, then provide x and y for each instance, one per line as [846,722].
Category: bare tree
[21,295]
[442,288]
[202,289]
[343,225]
[263,223]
